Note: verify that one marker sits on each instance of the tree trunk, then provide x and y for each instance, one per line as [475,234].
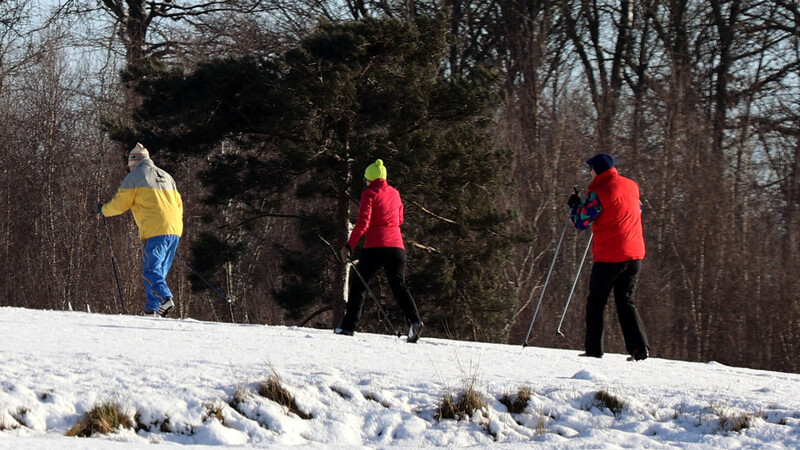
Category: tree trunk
[342,228]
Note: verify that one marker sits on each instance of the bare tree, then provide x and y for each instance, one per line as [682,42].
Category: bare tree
[589,26]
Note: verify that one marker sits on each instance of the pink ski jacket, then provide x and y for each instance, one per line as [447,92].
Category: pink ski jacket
[380,214]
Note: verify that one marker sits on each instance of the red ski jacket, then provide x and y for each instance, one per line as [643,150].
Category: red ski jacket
[380,214]
[618,234]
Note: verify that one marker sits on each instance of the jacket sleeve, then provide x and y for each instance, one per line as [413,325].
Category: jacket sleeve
[122,201]
[362,224]
[400,214]
[583,216]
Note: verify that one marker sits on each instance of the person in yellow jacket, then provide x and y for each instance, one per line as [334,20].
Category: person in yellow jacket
[151,194]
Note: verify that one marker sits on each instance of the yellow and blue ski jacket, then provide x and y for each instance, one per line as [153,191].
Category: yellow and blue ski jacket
[151,194]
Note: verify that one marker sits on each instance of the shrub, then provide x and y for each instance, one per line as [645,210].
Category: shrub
[105,418]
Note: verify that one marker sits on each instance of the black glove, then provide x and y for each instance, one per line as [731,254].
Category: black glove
[100,209]
[574,200]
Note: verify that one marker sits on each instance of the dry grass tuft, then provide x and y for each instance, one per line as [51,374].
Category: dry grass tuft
[341,393]
[462,405]
[273,389]
[731,421]
[372,396]
[542,420]
[162,425]
[241,394]
[214,410]
[7,422]
[20,414]
[105,418]
[517,403]
[604,399]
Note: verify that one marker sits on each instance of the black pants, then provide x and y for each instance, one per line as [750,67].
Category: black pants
[622,278]
[393,261]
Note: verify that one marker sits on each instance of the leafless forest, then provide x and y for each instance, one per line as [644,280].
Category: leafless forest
[699,101]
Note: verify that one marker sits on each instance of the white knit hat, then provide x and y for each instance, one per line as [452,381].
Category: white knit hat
[137,154]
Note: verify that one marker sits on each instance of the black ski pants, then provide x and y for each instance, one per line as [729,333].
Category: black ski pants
[393,261]
[621,277]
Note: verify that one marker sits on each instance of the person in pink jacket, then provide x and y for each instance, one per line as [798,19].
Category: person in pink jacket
[380,214]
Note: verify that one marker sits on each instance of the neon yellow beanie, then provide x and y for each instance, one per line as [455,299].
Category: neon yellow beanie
[375,170]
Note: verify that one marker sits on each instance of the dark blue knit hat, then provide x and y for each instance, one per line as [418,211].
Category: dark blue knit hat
[601,162]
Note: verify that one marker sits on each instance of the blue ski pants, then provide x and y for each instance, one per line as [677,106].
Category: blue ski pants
[157,255]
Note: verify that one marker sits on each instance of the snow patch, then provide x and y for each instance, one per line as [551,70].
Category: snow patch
[587,375]
[374,391]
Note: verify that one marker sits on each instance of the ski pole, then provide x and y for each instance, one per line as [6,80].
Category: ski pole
[546,280]
[114,263]
[366,285]
[224,297]
[577,275]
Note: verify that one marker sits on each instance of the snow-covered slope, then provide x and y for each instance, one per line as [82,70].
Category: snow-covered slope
[363,391]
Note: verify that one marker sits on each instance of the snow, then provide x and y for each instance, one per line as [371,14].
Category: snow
[366,391]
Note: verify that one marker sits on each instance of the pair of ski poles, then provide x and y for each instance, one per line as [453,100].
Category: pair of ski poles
[547,280]
[116,272]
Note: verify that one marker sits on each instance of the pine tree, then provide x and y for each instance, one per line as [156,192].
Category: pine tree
[290,135]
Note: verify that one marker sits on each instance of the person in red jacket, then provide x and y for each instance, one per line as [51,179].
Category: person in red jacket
[613,211]
[380,214]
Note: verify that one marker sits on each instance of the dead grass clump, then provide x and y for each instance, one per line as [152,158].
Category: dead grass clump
[341,393]
[214,410]
[517,403]
[730,421]
[240,395]
[372,396]
[162,425]
[20,415]
[542,420]
[46,396]
[604,399]
[462,405]
[105,418]
[737,422]
[273,389]
[7,422]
